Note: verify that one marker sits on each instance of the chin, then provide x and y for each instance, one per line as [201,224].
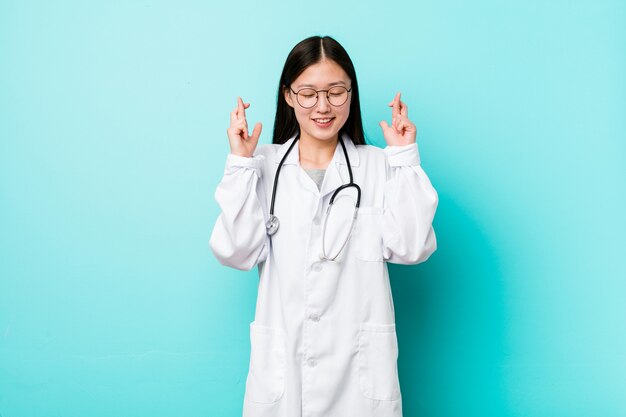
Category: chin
[323,134]
[326,136]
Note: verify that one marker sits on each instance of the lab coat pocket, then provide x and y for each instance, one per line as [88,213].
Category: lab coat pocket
[266,376]
[368,234]
[378,361]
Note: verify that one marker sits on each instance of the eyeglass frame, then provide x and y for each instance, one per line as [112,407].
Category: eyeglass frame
[317,96]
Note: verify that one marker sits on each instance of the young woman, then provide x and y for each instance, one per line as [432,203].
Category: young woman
[323,342]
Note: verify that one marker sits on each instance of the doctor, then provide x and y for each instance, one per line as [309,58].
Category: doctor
[323,340]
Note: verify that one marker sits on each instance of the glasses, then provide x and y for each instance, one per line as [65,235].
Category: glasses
[307,97]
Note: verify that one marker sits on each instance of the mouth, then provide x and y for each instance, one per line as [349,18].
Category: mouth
[324,121]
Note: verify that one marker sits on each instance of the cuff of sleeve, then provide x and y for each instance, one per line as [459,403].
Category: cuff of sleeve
[405,155]
[236,161]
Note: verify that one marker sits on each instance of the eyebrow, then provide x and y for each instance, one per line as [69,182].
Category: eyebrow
[330,85]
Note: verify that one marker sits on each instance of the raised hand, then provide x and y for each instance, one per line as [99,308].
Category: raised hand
[402,131]
[241,143]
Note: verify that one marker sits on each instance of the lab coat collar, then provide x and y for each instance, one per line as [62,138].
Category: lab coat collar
[294,156]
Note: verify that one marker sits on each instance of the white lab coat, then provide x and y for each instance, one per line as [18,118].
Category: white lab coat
[323,341]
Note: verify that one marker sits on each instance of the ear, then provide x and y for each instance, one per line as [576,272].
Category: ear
[288,97]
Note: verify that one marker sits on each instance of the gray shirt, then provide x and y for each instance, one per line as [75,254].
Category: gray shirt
[317,175]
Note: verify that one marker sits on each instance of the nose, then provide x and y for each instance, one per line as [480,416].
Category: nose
[322,102]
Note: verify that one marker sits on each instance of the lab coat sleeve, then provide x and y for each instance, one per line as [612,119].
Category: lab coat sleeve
[239,237]
[409,206]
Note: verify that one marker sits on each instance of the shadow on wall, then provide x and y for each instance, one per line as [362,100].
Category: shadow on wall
[450,319]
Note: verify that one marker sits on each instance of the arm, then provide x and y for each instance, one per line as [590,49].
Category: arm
[239,238]
[410,202]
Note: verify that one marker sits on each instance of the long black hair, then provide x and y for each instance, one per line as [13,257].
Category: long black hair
[306,53]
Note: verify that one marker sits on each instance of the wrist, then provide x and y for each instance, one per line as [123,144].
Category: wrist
[403,155]
[241,154]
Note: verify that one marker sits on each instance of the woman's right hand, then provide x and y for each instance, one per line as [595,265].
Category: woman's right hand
[241,143]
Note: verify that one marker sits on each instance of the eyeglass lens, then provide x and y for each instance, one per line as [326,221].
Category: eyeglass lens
[307,97]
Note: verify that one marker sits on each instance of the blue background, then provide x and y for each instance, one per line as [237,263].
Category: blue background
[113,120]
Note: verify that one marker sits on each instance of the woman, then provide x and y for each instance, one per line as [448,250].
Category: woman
[323,342]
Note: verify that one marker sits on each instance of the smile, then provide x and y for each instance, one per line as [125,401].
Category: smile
[324,122]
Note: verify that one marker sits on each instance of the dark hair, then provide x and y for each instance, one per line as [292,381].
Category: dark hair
[306,53]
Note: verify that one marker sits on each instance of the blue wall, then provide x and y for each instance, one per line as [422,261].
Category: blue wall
[112,140]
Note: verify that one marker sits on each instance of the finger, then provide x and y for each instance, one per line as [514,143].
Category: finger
[404,110]
[392,102]
[398,120]
[239,128]
[242,116]
[234,131]
[400,117]
[395,109]
[407,126]
[256,132]
[240,108]
[233,116]
[402,125]
[397,103]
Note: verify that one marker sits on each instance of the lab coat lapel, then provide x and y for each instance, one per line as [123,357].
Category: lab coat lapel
[336,175]
[293,161]
[337,172]
[294,156]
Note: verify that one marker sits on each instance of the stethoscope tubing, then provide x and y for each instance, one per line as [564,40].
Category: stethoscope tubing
[273,223]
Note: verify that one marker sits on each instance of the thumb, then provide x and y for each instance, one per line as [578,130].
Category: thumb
[385,127]
[256,132]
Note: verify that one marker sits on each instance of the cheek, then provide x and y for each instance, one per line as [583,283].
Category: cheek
[301,116]
[345,114]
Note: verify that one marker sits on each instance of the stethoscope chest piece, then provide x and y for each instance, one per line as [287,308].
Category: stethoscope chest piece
[272,225]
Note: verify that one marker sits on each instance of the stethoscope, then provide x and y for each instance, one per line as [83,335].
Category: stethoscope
[273,223]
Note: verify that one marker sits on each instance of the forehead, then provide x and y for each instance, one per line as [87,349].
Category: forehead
[322,74]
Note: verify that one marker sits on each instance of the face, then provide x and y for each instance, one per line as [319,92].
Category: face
[323,120]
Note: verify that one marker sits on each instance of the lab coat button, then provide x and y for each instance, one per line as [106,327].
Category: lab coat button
[316,221]
[314,317]
[312,363]
[317,267]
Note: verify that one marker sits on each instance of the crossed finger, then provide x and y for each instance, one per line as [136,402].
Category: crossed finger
[239,111]
[238,116]
[233,117]
[398,107]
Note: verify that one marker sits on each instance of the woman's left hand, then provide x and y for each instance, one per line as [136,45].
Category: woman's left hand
[402,131]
